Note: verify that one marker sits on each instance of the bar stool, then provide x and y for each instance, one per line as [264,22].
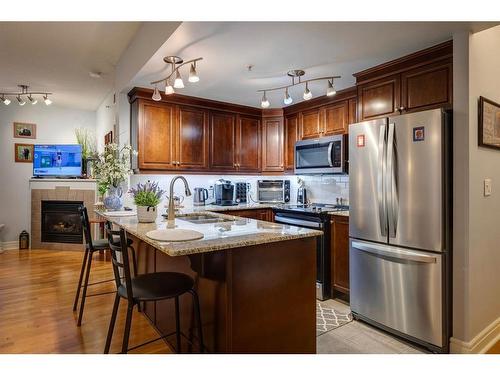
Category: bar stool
[147,287]
[91,246]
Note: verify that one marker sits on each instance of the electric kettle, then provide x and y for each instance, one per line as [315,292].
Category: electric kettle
[200,196]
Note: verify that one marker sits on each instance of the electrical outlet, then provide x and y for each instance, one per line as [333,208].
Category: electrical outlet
[487,187]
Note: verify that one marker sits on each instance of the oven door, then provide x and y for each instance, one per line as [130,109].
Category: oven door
[320,156]
[322,250]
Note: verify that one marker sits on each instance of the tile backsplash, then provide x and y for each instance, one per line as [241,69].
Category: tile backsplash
[327,188]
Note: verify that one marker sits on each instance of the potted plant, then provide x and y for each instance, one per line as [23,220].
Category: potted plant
[85,138]
[147,197]
[111,168]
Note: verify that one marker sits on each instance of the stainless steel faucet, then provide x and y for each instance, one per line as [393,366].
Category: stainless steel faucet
[171,206]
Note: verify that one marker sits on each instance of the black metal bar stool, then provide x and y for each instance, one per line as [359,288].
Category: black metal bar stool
[147,287]
[91,246]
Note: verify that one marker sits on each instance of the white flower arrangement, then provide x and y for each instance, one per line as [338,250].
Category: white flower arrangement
[112,166]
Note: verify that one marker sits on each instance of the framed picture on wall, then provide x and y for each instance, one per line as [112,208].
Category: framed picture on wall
[23,153]
[489,123]
[24,130]
[108,138]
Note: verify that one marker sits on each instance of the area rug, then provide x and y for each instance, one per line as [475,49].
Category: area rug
[328,318]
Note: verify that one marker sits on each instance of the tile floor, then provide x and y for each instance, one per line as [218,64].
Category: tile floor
[360,338]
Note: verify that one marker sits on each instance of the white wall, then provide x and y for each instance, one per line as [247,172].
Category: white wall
[54,125]
[476,236]
[105,120]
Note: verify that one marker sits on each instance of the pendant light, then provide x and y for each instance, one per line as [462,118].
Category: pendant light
[307,93]
[169,90]
[193,75]
[5,100]
[46,100]
[156,95]
[20,101]
[178,83]
[288,99]
[330,90]
[264,103]
[32,101]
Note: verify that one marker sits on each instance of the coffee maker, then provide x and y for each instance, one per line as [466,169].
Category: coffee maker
[224,193]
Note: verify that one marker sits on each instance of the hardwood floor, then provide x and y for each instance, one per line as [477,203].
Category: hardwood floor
[495,349]
[37,288]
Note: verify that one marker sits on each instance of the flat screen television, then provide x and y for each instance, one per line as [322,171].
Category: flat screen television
[57,161]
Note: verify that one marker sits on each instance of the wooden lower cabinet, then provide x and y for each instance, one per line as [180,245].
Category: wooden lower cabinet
[264,214]
[339,248]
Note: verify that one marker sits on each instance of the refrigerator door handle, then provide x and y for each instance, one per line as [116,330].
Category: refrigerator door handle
[381,196]
[391,182]
[393,253]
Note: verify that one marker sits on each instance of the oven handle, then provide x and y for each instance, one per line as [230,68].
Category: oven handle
[330,146]
[298,222]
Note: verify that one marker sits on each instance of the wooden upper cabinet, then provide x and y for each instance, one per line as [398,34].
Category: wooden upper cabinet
[379,98]
[291,136]
[272,144]
[310,124]
[223,141]
[192,145]
[427,87]
[248,145]
[340,254]
[336,119]
[353,109]
[155,135]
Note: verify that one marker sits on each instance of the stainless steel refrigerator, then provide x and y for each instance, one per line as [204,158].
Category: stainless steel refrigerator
[399,178]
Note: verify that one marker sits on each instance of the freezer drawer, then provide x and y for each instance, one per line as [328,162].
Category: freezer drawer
[398,288]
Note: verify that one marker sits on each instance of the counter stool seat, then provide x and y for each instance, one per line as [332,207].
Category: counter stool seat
[157,286]
[102,244]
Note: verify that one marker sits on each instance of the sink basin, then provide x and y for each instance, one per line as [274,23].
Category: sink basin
[203,219]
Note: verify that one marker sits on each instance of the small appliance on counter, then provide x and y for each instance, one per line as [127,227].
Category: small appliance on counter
[224,193]
[200,196]
[273,191]
[301,193]
[242,189]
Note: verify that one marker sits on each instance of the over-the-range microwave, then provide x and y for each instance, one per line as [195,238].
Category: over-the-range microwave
[326,155]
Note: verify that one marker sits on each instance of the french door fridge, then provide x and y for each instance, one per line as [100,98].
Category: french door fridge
[398,225]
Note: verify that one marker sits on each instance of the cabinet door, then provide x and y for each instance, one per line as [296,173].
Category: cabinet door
[336,117]
[352,116]
[156,136]
[340,253]
[248,144]
[310,124]
[256,214]
[192,145]
[272,144]
[223,138]
[379,98]
[291,136]
[427,87]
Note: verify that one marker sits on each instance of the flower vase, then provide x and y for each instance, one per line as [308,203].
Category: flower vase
[113,201]
[146,214]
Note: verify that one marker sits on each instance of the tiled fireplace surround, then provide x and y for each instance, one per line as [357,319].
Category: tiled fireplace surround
[59,190]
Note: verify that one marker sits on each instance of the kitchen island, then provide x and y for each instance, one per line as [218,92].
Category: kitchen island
[255,279]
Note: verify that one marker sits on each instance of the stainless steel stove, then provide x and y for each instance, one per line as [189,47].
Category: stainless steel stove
[314,216]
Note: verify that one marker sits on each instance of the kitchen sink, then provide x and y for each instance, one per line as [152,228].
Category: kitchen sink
[203,219]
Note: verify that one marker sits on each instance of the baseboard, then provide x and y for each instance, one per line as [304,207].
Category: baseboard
[9,245]
[479,344]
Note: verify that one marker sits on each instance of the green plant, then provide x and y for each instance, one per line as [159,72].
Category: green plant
[148,194]
[102,188]
[112,166]
[85,138]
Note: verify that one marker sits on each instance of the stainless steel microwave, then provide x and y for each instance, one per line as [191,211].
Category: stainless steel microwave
[324,155]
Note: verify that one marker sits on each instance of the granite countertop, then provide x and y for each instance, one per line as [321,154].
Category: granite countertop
[239,232]
[241,206]
[340,213]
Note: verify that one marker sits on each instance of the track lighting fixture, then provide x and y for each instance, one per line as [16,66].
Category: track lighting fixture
[264,102]
[24,95]
[175,63]
[297,80]
[156,94]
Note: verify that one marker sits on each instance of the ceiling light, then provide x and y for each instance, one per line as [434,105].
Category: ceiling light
[169,90]
[330,90]
[5,100]
[46,100]
[264,102]
[288,99]
[307,93]
[95,74]
[20,101]
[193,75]
[156,95]
[32,101]
[178,83]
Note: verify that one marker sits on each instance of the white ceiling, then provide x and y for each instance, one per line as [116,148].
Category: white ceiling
[58,56]
[273,48]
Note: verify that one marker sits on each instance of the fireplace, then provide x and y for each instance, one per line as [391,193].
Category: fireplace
[61,222]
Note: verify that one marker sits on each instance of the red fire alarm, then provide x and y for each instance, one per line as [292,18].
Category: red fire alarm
[360,140]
